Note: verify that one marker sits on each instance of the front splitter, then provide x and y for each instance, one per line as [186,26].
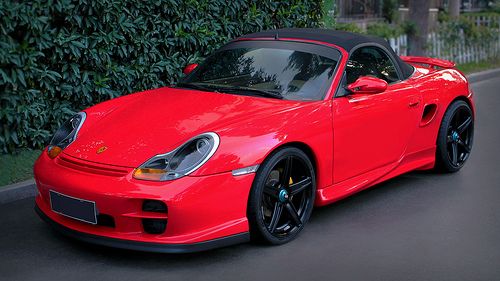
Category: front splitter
[146,246]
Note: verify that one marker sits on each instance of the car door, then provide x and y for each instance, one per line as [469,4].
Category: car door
[372,130]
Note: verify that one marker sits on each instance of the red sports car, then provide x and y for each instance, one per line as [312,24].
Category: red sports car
[269,126]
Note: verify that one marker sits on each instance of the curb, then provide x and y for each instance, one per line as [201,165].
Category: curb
[17,191]
[26,189]
[483,75]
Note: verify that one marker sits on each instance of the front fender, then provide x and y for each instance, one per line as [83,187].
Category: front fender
[249,143]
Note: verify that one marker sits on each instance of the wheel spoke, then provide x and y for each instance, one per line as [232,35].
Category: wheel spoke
[454,153]
[271,191]
[464,125]
[449,139]
[293,213]
[278,208]
[286,195]
[300,186]
[285,176]
[465,146]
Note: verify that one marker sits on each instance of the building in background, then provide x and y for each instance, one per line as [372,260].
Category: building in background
[365,12]
[473,5]
[465,6]
[359,12]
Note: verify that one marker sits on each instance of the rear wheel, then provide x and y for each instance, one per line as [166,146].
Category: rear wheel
[455,137]
[282,196]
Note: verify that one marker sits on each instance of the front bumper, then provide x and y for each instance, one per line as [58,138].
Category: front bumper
[203,212]
[145,246]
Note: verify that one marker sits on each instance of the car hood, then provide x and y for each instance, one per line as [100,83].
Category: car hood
[158,121]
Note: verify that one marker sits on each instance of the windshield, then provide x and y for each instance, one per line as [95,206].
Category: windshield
[288,70]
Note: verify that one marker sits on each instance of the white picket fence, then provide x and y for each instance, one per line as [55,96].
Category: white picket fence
[399,44]
[485,20]
[460,52]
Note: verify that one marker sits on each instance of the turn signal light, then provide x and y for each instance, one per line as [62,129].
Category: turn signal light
[148,174]
[53,151]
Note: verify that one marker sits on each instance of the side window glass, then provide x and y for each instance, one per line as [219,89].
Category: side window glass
[370,61]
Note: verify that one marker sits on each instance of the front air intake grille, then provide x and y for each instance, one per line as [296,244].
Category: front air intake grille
[155,206]
[92,167]
[155,223]
[105,220]
[154,226]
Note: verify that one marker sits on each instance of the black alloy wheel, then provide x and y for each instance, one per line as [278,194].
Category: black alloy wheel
[455,137]
[282,196]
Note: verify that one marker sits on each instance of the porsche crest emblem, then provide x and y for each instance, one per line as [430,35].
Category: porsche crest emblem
[101,149]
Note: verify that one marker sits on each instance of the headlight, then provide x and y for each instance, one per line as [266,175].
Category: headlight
[180,162]
[66,134]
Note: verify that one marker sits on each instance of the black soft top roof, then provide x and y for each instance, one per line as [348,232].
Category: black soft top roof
[343,39]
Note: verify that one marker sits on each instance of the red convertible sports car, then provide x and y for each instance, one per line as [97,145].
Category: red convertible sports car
[269,126]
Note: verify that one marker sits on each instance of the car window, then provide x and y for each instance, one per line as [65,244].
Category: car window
[293,74]
[370,61]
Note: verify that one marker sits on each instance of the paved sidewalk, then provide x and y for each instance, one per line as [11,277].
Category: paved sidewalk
[17,191]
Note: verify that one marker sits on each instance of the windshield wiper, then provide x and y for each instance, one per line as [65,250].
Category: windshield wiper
[195,86]
[219,88]
[260,92]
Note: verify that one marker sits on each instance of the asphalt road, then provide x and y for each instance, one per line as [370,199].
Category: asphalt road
[419,226]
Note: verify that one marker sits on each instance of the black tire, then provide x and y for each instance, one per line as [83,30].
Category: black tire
[455,137]
[282,196]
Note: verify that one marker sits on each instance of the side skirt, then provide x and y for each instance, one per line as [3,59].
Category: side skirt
[415,161]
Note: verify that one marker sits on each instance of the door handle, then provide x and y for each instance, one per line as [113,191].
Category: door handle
[414,103]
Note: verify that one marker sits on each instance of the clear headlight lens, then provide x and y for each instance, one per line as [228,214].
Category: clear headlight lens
[66,134]
[181,161]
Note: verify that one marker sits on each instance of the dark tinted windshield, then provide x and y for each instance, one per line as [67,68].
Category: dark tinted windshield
[294,71]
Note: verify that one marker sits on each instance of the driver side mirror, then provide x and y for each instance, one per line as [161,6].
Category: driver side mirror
[189,68]
[367,85]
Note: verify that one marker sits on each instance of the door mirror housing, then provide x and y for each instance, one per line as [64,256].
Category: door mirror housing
[367,85]
[189,68]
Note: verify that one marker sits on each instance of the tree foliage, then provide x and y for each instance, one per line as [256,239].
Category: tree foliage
[463,31]
[390,10]
[60,56]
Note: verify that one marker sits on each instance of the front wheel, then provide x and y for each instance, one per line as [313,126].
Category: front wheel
[455,137]
[282,196]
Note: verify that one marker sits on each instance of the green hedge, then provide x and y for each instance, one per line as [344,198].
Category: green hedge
[58,57]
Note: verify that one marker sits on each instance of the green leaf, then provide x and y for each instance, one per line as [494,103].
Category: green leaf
[20,76]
